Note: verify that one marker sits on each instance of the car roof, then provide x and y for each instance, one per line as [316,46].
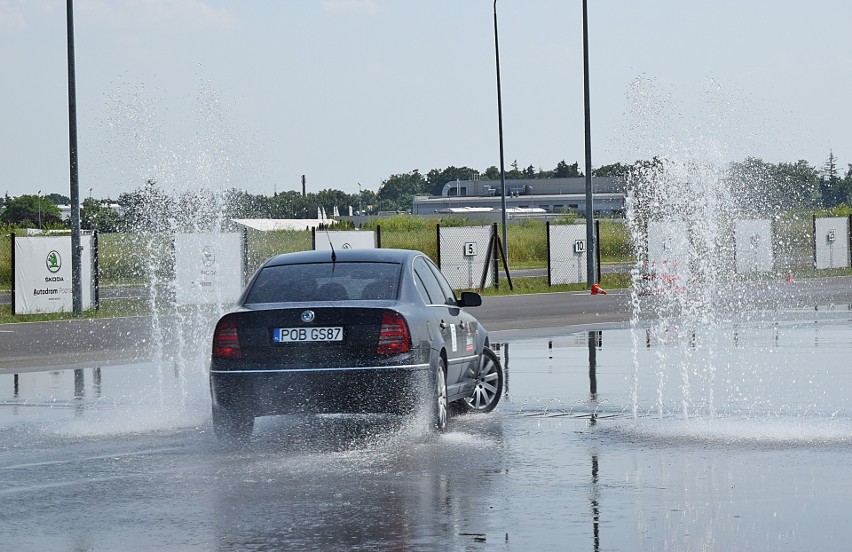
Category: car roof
[345,256]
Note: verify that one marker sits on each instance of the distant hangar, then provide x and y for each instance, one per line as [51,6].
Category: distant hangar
[530,196]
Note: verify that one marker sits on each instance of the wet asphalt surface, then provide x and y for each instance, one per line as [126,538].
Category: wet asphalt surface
[119,453]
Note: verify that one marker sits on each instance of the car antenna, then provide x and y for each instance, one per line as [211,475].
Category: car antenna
[333,254]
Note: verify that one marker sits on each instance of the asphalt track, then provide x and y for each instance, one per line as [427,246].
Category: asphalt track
[102,342]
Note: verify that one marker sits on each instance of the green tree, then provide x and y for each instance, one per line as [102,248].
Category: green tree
[241,204]
[367,201]
[31,211]
[543,174]
[613,170]
[768,188]
[564,170]
[330,198]
[147,209]
[830,185]
[287,205]
[437,179]
[846,184]
[798,185]
[515,173]
[59,199]
[397,192]
[492,173]
[96,215]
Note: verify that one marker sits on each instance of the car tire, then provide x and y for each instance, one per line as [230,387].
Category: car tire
[488,385]
[440,411]
[231,425]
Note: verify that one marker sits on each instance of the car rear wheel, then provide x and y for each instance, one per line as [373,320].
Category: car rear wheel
[488,386]
[440,412]
[232,425]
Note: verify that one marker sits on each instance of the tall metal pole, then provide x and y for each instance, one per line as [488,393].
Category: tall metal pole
[591,271]
[500,130]
[76,249]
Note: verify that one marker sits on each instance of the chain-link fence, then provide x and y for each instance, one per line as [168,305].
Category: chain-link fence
[567,254]
[464,255]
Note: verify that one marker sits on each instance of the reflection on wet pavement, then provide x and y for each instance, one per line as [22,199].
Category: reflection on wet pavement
[123,457]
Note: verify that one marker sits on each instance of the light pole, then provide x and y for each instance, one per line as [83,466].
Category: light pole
[39,209]
[500,132]
[591,272]
[76,248]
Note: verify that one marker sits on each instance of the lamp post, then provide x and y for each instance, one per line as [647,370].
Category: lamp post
[76,248]
[591,272]
[39,209]
[500,133]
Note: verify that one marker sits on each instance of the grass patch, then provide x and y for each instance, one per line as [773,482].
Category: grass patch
[109,308]
[538,284]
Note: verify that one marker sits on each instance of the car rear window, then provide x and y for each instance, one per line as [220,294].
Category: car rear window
[325,282]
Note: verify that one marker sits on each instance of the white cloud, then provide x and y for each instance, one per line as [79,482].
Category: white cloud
[349,6]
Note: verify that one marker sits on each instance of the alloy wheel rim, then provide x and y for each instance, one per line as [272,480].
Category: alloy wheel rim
[442,400]
[485,391]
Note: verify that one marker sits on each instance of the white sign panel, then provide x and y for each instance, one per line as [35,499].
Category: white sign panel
[345,239]
[568,254]
[753,246]
[43,274]
[831,242]
[208,268]
[668,250]
[464,271]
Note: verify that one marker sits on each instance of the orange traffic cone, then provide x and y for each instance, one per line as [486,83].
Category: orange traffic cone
[598,290]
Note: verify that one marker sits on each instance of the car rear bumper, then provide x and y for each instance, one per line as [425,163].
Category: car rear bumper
[381,389]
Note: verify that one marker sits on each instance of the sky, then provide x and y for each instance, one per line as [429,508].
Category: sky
[254,94]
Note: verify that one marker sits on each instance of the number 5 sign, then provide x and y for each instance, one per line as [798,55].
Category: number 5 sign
[470,249]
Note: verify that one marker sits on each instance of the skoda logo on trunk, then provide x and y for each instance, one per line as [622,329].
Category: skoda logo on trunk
[308,316]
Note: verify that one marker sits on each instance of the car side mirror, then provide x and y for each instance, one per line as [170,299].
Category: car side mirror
[470,299]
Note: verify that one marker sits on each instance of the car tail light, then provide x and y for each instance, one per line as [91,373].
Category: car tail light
[393,337]
[226,340]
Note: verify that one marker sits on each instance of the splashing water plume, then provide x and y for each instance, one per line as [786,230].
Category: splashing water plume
[184,166]
[685,206]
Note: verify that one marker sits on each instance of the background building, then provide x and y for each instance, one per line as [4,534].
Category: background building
[525,197]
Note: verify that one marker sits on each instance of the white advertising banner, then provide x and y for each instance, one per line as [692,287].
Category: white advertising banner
[567,254]
[344,239]
[208,268]
[831,242]
[464,251]
[43,274]
[753,245]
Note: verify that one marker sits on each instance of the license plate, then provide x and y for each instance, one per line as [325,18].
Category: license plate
[307,335]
